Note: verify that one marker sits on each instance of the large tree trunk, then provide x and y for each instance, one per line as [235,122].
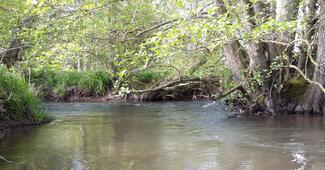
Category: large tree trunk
[234,53]
[309,16]
[314,101]
[286,10]
[257,60]
[256,50]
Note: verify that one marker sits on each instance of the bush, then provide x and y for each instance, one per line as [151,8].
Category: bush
[17,100]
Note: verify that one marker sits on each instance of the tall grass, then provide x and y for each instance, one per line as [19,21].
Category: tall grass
[95,83]
[17,100]
[149,76]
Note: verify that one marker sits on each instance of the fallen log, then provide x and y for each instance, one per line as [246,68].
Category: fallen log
[172,83]
[230,91]
[180,89]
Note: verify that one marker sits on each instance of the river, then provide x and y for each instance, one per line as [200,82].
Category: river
[164,136]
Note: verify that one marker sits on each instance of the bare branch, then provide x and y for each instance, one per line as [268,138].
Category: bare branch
[306,78]
[156,26]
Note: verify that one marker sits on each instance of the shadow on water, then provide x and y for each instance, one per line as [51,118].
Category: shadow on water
[174,135]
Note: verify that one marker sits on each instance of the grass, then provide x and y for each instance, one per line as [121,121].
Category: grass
[149,76]
[17,100]
[94,83]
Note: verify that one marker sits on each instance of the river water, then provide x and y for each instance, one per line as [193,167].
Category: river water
[164,136]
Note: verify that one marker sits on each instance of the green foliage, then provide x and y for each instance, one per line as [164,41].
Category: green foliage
[149,76]
[17,99]
[95,83]
[123,37]
[257,79]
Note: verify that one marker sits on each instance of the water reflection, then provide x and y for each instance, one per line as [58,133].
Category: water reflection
[181,135]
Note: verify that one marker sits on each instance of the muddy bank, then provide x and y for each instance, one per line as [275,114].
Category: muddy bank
[182,89]
[18,124]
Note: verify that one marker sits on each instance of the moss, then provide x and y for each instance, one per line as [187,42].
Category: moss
[295,89]
[261,100]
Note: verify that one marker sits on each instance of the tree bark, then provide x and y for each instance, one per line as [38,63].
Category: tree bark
[233,52]
[257,59]
[286,10]
[314,101]
[310,29]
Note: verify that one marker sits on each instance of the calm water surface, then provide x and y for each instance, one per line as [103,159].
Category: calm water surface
[165,136]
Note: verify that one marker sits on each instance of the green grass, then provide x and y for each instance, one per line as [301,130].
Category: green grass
[95,83]
[17,100]
[149,76]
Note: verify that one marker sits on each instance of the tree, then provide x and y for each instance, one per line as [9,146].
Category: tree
[234,53]
[314,101]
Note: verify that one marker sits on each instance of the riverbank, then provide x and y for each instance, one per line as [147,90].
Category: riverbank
[17,124]
[19,103]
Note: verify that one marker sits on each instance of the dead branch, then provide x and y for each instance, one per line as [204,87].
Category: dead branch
[230,91]
[172,83]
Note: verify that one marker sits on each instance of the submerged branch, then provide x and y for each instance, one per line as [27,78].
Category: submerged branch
[8,161]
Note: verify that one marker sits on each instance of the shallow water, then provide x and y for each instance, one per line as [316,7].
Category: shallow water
[166,136]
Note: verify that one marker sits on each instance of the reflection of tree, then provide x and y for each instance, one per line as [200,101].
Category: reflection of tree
[133,143]
[122,123]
